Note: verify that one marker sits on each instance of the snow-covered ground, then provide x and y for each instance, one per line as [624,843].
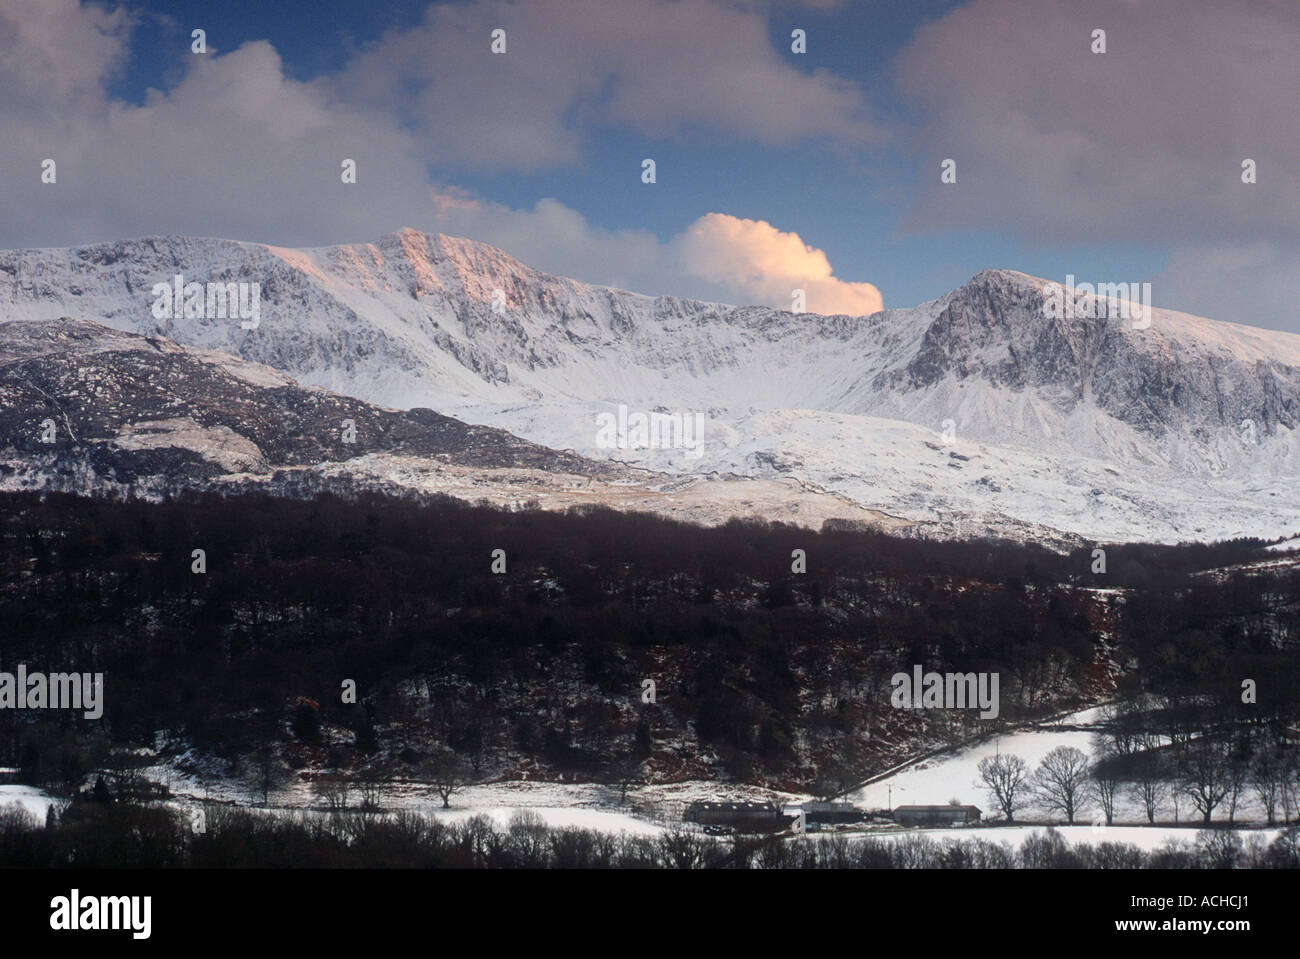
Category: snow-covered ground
[35,801]
[646,810]
[940,779]
[960,486]
[937,780]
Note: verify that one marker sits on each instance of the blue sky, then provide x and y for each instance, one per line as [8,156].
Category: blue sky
[1119,166]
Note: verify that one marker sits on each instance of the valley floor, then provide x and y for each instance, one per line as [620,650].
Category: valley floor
[653,809]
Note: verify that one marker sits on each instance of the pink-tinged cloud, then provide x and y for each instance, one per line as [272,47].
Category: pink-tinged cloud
[766,265]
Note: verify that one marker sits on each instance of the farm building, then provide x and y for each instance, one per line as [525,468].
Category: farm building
[831,812]
[936,815]
[750,814]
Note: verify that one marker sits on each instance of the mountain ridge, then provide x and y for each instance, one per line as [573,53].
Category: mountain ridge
[1037,408]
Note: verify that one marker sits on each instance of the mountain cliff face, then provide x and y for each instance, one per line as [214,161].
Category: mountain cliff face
[1181,383]
[975,411]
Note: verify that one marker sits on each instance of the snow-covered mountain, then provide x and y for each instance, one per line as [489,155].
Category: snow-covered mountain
[975,411]
[82,398]
[88,409]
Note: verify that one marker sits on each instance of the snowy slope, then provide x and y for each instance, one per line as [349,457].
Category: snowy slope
[138,416]
[1184,430]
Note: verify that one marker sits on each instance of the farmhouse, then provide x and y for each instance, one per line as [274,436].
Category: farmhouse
[750,814]
[831,812]
[936,815]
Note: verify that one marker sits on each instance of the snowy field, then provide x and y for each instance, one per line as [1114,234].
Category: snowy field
[940,779]
[647,810]
[956,776]
[34,800]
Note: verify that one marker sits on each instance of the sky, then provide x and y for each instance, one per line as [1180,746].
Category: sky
[775,170]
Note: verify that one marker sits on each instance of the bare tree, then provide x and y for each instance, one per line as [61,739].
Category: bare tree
[370,781]
[332,789]
[1006,778]
[1289,783]
[1150,783]
[265,772]
[1060,781]
[1238,778]
[1105,786]
[1123,724]
[622,772]
[446,772]
[1206,777]
[528,834]
[681,849]
[1221,848]
[1266,782]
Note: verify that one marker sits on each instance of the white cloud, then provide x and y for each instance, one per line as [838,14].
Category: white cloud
[658,66]
[1141,143]
[236,149]
[55,55]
